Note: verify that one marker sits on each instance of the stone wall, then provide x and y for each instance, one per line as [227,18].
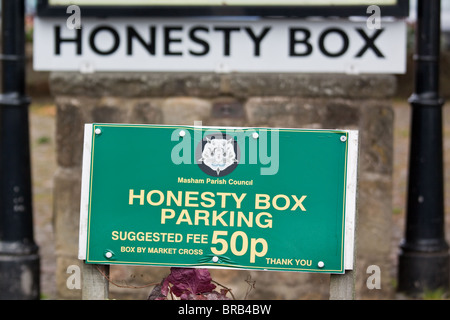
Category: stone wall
[328,101]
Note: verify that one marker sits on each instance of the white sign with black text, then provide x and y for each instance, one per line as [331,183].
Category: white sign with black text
[217,45]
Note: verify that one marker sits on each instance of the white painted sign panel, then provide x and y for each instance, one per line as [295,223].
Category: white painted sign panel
[218,45]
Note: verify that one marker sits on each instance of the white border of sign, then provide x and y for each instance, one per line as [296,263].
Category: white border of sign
[350,201]
[85,182]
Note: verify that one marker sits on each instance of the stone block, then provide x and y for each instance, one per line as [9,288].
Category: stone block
[72,114]
[134,282]
[145,111]
[210,85]
[341,113]
[110,110]
[227,112]
[376,137]
[185,110]
[312,85]
[135,84]
[284,112]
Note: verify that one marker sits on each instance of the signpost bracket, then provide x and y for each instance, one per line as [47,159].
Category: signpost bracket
[342,286]
[95,282]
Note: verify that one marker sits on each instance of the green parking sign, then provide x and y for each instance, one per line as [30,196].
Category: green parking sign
[194,196]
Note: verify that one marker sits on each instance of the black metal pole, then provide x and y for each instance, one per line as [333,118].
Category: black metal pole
[424,257]
[19,260]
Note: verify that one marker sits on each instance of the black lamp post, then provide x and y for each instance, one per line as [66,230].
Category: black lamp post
[424,257]
[19,260]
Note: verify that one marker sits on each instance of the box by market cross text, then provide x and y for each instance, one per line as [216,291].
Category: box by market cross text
[194,196]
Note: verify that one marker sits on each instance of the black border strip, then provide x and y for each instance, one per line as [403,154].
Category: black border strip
[401,9]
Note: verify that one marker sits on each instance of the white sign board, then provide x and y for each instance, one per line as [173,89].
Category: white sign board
[191,45]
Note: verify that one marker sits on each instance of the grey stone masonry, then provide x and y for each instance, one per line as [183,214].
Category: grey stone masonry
[361,102]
